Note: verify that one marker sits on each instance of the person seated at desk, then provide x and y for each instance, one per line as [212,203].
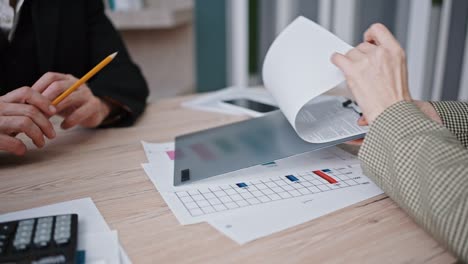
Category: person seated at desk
[415,151]
[44,47]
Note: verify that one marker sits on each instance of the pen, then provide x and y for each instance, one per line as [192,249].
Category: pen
[85,78]
[353,105]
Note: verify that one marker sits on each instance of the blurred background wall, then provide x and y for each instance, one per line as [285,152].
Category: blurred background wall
[205,45]
[160,37]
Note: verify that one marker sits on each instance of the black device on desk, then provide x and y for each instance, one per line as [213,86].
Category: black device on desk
[41,240]
[252,105]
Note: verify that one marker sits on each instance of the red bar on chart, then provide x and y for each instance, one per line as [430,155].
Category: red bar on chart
[324,176]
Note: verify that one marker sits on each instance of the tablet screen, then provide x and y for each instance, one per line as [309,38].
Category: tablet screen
[252,105]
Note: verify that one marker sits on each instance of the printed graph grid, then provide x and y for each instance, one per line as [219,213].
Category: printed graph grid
[228,197]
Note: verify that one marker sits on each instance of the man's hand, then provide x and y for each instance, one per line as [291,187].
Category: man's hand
[376,72]
[80,108]
[24,111]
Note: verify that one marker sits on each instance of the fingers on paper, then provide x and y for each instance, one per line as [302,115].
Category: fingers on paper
[342,62]
[380,35]
[362,121]
[356,142]
[366,47]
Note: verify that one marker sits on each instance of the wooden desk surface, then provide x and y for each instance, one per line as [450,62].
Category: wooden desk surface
[105,165]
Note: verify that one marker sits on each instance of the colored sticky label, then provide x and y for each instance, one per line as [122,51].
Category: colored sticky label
[241,185]
[292,178]
[80,257]
[324,176]
[171,154]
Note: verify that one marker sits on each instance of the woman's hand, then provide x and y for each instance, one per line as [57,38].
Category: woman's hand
[375,72]
[358,142]
[80,108]
[425,107]
[24,111]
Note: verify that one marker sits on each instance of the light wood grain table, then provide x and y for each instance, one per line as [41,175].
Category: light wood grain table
[105,165]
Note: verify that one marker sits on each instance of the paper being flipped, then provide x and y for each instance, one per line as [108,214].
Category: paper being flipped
[297,69]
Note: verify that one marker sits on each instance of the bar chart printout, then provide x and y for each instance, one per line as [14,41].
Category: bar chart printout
[200,202]
[250,204]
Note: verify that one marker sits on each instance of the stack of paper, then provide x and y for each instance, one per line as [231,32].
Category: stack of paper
[258,201]
[100,243]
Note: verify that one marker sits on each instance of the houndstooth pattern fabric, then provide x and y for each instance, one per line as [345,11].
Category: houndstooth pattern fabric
[423,167]
[454,115]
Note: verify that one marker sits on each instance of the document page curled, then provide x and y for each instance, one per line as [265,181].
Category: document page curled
[297,69]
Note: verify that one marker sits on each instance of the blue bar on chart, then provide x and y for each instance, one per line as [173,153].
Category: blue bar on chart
[241,185]
[292,178]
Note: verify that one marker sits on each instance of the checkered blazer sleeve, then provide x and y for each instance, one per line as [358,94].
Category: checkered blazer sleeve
[423,167]
[454,116]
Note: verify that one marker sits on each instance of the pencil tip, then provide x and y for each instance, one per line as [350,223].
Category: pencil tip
[114,54]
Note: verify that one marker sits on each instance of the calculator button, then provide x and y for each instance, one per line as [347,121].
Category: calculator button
[29,222]
[44,226]
[62,223]
[41,244]
[63,229]
[21,240]
[20,246]
[42,239]
[63,217]
[61,241]
[45,220]
[3,237]
[62,237]
[24,234]
[44,231]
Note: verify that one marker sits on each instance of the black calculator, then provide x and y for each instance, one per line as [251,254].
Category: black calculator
[41,240]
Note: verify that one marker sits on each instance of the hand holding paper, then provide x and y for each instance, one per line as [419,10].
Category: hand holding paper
[297,69]
[376,71]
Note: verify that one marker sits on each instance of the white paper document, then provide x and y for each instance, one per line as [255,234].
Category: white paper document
[101,247]
[94,235]
[261,200]
[297,69]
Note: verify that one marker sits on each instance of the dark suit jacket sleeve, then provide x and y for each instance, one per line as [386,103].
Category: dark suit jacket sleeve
[423,167]
[454,116]
[121,81]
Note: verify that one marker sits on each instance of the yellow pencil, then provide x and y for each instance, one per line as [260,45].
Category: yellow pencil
[85,78]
